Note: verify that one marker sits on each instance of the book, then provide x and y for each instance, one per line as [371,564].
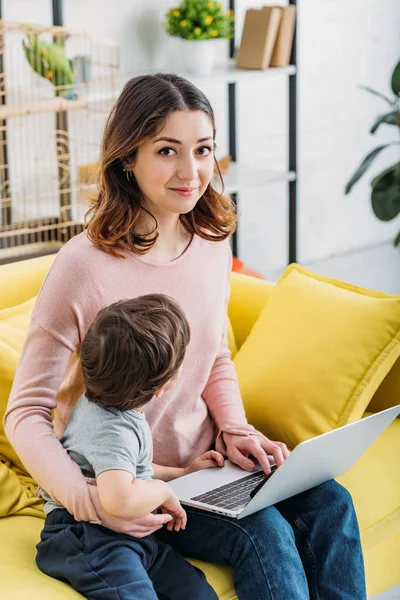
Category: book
[259,35]
[284,39]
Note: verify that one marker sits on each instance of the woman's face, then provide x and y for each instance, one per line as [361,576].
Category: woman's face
[174,168]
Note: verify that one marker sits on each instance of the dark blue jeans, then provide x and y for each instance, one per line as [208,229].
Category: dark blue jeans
[305,547]
[104,565]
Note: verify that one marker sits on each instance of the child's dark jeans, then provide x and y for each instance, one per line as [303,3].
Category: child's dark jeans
[104,565]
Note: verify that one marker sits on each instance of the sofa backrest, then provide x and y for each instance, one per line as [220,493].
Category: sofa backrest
[22,280]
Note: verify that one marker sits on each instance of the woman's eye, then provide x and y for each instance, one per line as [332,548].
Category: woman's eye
[164,150]
[207,149]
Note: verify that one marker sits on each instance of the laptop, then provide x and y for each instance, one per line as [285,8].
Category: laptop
[234,492]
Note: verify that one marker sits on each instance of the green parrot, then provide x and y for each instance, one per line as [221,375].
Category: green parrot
[50,62]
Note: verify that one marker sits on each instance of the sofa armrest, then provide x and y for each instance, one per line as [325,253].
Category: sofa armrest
[247,299]
[22,280]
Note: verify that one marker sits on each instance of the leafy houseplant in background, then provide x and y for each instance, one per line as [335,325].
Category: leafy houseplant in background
[197,23]
[385,195]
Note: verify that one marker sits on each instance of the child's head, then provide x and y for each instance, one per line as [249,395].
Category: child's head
[133,351]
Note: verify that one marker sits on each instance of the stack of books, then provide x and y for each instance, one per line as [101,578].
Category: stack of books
[267,37]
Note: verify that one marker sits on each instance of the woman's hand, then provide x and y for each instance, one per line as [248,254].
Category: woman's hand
[137,528]
[208,460]
[240,447]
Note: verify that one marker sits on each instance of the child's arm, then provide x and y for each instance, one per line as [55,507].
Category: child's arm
[207,460]
[123,496]
[168,473]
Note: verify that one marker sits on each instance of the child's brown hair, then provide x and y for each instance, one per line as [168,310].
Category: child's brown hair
[132,349]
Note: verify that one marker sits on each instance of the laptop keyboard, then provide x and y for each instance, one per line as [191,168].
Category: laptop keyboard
[234,495]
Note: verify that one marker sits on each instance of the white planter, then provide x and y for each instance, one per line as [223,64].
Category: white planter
[198,56]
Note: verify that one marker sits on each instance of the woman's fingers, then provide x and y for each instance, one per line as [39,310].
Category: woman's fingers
[238,458]
[278,450]
[171,525]
[147,525]
[152,520]
[284,448]
[240,449]
[259,454]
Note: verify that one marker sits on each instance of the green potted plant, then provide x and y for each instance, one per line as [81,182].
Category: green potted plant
[385,192]
[197,23]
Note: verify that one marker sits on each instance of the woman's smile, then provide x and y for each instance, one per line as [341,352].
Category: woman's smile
[186,192]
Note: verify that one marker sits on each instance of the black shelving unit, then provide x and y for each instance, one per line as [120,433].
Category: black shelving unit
[292,143]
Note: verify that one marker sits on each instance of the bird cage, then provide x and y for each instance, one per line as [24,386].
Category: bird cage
[57,87]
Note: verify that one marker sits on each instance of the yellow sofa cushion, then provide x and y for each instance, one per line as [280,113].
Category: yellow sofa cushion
[316,355]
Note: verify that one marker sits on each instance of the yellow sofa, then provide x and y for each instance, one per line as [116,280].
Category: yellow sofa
[375,491]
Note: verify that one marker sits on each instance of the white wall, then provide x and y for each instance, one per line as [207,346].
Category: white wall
[342,44]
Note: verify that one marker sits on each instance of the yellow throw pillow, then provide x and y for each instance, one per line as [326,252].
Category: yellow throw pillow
[14,323]
[231,340]
[247,299]
[316,355]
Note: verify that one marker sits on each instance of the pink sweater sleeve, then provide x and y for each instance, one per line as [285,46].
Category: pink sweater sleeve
[222,393]
[51,339]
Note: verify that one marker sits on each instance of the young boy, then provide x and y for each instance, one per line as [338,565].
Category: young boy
[131,354]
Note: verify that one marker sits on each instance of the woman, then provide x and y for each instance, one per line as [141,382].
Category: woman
[159,226]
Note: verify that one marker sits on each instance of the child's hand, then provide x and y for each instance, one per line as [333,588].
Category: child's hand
[174,508]
[208,460]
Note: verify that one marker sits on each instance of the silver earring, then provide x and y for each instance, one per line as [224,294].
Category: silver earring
[129,175]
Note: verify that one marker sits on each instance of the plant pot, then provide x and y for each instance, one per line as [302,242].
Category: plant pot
[198,56]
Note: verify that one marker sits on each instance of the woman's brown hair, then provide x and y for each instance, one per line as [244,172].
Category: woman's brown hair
[140,113]
[132,349]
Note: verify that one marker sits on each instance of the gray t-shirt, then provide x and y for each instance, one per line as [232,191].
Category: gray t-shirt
[100,439]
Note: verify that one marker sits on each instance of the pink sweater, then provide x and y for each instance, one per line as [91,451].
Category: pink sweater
[184,421]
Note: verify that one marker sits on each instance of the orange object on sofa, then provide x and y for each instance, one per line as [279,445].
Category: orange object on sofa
[238,266]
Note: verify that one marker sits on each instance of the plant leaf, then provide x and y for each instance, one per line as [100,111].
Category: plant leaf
[395,83]
[388,118]
[397,240]
[364,166]
[396,167]
[375,93]
[386,194]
